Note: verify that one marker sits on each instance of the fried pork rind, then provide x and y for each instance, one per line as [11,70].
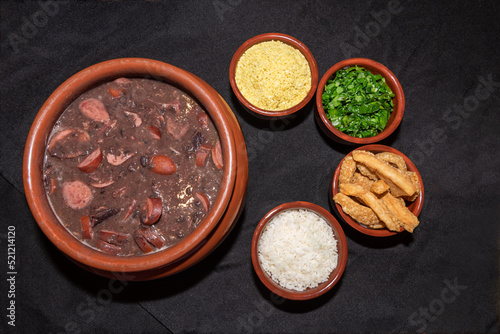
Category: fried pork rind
[358,212]
[369,198]
[362,181]
[393,159]
[403,216]
[367,172]
[391,175]
[347,170]
[414,179]
[379,187]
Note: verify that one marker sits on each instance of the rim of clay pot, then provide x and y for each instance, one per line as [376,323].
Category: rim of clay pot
[50,112]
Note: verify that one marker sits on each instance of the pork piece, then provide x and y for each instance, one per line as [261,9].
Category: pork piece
[102,214]
[112,237]
[175,129]
[202,154]
[136,118]
[108,248]
[76,194]
[69,143]
[91,162]
[172,106]
[95,110]
[118,159]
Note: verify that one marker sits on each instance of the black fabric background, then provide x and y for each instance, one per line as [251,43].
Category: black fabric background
[442,52]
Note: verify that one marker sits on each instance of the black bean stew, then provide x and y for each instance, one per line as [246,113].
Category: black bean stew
[133,166]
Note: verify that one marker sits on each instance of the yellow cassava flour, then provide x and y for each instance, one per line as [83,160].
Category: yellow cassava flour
[297,249]
[273,75]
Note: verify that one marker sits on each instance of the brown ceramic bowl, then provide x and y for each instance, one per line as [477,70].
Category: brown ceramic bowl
[335,275]
[415,206]
[259,112]
[37,141]
[376,68]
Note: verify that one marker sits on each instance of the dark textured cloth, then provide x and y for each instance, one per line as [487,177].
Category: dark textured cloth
[443,278]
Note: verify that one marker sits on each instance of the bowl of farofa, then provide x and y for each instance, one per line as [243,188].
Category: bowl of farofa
[370,198]
[299,250]
[362,110]
[273,75]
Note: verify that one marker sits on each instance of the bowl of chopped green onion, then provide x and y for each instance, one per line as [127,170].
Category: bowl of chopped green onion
[359,101]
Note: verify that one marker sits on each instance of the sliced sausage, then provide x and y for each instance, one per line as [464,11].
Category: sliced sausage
[112,237]
[69,143]
[217,155]
[155,132]
[201,154]
[76,194]
[154,209]
[203,199]
[116,92]
[91,162]
[163,165]
[153,236]
[94,109]
[87,232]
[108,248]
[141,241]
[53,186]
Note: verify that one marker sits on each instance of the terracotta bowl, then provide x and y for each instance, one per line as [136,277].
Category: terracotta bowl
[376,68]
[259,112]
[37,140]
[335,275]
[415,206]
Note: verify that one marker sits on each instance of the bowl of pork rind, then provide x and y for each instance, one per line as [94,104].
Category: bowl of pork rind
[378,191]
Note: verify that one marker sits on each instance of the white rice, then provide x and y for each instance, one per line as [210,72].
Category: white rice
[297,249]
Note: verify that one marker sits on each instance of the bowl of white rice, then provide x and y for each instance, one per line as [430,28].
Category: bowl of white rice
[299,250]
